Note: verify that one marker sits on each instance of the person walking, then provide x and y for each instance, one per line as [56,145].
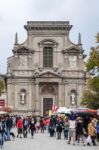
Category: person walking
[92,132]
[59,128]
[42,125]
[66,128]
[2,131]
[80,130]
[32,127]
[72,130]
[97,130]
[25,126]
[9,124]
[19,127]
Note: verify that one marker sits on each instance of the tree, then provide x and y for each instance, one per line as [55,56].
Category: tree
[93,61]
[97,38]
[91,95]
[1,86]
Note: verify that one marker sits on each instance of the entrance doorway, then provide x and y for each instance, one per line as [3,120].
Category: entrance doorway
[47,105]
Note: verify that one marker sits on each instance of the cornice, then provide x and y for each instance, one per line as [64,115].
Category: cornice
[48,26]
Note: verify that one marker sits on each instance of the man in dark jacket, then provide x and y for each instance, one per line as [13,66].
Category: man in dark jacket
[2,131]
[9,124]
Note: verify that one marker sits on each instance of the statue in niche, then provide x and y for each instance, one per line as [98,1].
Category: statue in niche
[73,61]
[23,97]
[23,60]
[73,96]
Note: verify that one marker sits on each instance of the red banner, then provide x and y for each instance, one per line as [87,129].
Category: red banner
[2,102]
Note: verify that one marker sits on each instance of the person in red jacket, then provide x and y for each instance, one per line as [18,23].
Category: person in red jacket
[20,127]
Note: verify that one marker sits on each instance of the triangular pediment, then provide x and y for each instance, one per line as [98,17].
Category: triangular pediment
[73,49]
[49,74]
[22,49]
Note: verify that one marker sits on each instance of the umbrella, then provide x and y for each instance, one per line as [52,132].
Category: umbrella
[86,111]
[61,114]
[63,110]
[3,112]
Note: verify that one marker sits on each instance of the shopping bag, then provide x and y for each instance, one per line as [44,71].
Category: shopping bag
[89,140]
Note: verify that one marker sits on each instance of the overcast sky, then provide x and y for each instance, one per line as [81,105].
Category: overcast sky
[14,14]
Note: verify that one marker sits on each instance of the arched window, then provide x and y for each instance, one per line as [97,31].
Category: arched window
[47,57]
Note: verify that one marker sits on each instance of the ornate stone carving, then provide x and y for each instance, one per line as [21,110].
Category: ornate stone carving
[48,89]
[73,61]
[23,60]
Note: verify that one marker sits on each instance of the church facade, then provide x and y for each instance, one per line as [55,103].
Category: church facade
[45,70]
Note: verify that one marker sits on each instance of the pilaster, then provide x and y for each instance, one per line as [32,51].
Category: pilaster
[60,95]
[37,96]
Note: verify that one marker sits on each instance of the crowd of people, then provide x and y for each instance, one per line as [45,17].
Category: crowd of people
[74,129]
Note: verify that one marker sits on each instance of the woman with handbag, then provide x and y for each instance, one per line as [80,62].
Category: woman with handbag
[92,132]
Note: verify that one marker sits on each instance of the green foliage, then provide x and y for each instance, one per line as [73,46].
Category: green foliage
[90,100]
[91,95]
[93,60]
[1,86]
[94,84]
[97,38]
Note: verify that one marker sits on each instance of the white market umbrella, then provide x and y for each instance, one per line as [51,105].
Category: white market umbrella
[64,110]
[3,112]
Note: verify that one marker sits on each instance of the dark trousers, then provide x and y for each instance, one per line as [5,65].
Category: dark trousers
[32,132]
[58,135]
[93,140]
[65,133]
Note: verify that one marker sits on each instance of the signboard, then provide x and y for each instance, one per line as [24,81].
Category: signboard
[2,103]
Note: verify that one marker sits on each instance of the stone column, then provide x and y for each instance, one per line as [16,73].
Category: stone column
[66,95]
[60,95]
[66,61]
[41,56]
[30,96]
[80,93]
[55,57]
[17,97]
[77,93]
[37,97]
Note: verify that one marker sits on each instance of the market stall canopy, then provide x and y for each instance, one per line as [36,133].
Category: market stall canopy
[85,110]
[3,112]
[63,110]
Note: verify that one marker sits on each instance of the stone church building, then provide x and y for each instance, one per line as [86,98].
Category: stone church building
[45,70]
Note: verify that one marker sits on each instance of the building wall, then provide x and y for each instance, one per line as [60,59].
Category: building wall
[26,75]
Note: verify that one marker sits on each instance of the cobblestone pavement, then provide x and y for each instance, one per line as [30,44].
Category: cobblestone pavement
[43,142]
